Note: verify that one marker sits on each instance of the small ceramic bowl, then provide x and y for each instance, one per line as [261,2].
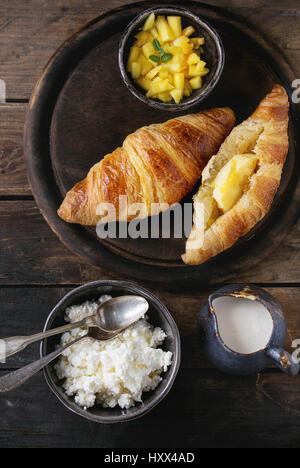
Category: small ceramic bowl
[158,316]
[213,54]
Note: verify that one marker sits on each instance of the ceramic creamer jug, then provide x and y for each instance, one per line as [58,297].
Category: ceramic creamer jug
[242,337]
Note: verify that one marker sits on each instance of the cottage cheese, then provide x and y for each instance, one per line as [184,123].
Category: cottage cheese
[114,372]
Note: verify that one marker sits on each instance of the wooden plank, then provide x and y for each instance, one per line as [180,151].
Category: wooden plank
[28,40]
[31,254]
[216,410]
[23,311]
[12,165]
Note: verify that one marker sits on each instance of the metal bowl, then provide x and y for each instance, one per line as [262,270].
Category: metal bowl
[159,316]
[214,55]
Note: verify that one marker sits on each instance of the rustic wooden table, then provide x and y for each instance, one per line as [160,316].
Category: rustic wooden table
[205,408]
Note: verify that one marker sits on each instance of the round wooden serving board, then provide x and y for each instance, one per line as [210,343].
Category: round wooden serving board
[80,110]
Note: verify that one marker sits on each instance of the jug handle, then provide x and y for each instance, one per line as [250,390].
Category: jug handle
[283,360]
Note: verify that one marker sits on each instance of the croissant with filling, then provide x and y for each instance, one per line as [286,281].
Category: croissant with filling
[240,181]
[158,164]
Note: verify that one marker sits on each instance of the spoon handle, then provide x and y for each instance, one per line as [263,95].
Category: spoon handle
[15,344]
[16,378]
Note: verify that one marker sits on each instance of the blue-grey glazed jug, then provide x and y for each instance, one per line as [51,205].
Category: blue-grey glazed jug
[232,362]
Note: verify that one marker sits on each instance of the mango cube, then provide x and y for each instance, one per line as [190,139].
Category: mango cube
[144,83]
[148,49]
[176,95]
[204,71]
[135,70]
[193,59]
[142,37]
[183,43]
[197,69]
[179,80]
[149,23]
[133,54]
[164,97]
[152,73]
[175,25]
[197,41]
[187,89]
[164,30]
[154,33]
[159,87]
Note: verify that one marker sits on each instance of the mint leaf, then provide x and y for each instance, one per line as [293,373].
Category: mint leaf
[156,44]
[154,58]
[166,58]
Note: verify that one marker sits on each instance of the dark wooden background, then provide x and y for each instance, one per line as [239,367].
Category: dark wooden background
[205,408]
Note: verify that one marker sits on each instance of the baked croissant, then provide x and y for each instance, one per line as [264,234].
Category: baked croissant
[240,181]
[158,165]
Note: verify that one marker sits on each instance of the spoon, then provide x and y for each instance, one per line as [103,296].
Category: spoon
[112,315]
[15,379]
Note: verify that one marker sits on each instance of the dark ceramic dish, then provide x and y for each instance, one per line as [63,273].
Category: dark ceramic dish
[158,316]
[231,362]
[213,54]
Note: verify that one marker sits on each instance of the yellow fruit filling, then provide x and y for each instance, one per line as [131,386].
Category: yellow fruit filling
[165,60]
[232,179]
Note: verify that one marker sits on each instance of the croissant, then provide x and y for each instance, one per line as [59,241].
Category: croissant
[156,165]
[240,181]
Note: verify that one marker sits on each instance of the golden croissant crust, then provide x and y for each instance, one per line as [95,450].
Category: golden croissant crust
[156,164]
[260,142]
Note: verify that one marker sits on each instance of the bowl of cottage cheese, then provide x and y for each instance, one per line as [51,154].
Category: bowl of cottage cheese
[119,379]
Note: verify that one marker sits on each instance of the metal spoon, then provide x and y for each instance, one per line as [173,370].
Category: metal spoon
[112,315]
[15,379]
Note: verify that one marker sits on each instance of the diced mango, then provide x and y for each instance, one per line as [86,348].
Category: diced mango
[135,70]
[204,72]
[184,44]
[157,79]
[193,59]
[163,73]
[165,97]
[188,31]
[149,23]
[187,89]
[232,178]
[146,66]
[179,80]
[177,95]
[159,87]
[175,25]
[142,37]
[178,58]
[173,67]
[148,49]
[164,30]
[197,41]
[196,82]
[144,83]
[152,73]
[196,70]
[167,77]
[154,33]
[133,54]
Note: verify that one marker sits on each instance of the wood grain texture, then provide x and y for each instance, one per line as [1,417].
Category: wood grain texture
[215,410]
[13,180]
[31,254]
[28,40]
[204,409]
